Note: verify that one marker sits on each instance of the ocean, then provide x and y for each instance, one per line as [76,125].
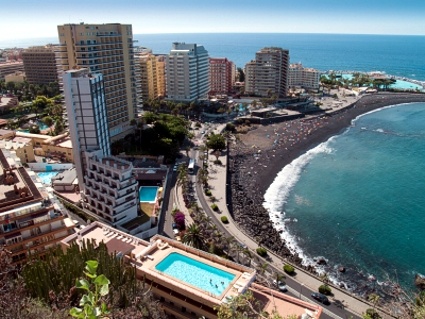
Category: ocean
[396,55]
[357,200]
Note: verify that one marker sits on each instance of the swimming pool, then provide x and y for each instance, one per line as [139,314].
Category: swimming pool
[195,273]
[148,194]
[46,177]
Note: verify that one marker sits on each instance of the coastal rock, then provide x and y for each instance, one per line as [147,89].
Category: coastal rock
[320,260]
[420,281]
[341,269]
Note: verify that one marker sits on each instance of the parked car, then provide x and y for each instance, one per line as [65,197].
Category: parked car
[320,297]
[280,285]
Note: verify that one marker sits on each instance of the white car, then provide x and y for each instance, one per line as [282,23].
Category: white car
[280,285]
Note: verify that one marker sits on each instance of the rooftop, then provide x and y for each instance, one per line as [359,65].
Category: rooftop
[145,256]
[16,186]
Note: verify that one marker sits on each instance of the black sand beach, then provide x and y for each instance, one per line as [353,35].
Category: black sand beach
[258,156]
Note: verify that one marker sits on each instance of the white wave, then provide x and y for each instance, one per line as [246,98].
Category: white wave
[380,130]
[277,195]
[378,110]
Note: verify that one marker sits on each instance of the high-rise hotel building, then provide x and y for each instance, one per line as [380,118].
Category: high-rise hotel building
[187,68]
[300,76]
[267,75]
[151,73]
[40,65]
[106,49]
[222,76]
[109,189]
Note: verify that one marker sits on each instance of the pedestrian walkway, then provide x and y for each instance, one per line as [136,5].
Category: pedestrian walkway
[217,181]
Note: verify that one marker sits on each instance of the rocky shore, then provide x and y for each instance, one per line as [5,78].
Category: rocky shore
[256,158]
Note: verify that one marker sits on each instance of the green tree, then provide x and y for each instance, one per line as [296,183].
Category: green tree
[216,142]
[59,127]
[47,120]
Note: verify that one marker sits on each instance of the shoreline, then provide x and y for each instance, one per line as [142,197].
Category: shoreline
[257,158]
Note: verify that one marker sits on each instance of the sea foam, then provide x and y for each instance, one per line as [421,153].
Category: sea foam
[277,195]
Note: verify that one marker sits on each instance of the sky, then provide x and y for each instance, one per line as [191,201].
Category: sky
[24,19]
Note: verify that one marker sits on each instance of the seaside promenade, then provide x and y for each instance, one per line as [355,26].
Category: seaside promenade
[344,304]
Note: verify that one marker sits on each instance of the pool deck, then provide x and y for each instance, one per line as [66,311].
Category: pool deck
[146,255]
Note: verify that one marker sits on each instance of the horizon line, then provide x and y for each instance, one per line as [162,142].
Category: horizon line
[235,32]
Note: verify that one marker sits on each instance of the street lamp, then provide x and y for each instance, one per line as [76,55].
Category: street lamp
[301,291]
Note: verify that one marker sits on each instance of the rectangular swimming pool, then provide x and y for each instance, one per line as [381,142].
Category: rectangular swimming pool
[46,177]
[195,273]
[147,194]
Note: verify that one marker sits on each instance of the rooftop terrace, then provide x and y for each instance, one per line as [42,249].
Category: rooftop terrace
[145,256]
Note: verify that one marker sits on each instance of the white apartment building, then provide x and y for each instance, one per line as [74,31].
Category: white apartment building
[110,188]
[86,108]
[106,49]
[267,75]
[187,69]
[300,76]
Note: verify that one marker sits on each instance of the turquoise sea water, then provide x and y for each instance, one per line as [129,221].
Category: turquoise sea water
[195,273]
[358,199]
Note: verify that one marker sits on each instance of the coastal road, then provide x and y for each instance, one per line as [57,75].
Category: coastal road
[335,310]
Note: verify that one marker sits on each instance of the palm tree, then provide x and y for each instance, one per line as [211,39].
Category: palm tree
[325,278]
[194,237]
[262,268]
[373,298]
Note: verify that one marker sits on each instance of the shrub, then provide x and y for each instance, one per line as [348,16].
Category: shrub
[208,192]
[290,270]
[224,220]
[325,289]
[214,207]
[261,251]
[218,162]
[372,314]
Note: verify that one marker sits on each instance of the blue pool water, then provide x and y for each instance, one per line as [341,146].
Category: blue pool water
[195,273]
[46,177]
[148,193]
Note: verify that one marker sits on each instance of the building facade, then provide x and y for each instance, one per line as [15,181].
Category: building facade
[106,49]
[10,67]
[268,74]
[152,75]
[300,76]
[31,221]
[87,115]
[110,190]
[17,76]
[222,76]
[23,147]
[187,69]
[40,65]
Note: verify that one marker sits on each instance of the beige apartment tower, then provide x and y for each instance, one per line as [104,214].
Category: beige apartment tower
[152,74]
[106,49]
[268,74]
